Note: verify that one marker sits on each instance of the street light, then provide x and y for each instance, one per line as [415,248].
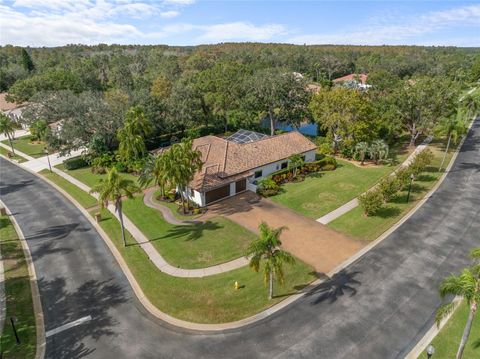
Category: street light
[430,351]
[410,187]
[48,159]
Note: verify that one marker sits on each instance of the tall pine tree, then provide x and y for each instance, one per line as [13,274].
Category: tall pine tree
[27,61]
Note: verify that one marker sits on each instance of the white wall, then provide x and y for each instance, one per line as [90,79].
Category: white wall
[197,197]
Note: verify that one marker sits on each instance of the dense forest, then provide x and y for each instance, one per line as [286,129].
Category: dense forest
[190,91]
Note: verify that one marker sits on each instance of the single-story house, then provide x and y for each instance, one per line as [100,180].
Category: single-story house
[353,80]
[11,109]
[234,164]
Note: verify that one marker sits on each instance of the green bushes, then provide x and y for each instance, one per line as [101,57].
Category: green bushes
[75,163]
[374,199]
[267,187]
[286,175]
[371,201]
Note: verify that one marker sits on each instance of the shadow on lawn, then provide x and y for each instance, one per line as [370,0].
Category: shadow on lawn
[192,232]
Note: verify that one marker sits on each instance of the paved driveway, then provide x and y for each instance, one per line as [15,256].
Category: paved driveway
[312,242]
[378,307]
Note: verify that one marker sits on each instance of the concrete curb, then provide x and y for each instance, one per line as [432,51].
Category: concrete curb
[257,317]
[37,304]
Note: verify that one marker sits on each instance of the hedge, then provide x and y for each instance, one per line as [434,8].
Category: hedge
[286,175]
[75,163]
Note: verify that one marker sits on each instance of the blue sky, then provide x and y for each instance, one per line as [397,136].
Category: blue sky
[190,22]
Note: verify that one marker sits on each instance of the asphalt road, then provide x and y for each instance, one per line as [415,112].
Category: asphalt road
[379,307]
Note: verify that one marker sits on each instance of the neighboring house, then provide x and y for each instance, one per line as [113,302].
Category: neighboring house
[11,109]
[234,164]
[353,81]
[56,128]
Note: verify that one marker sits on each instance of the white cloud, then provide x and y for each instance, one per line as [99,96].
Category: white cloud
[180,2]
[241,31]
[398,30]
[169,14]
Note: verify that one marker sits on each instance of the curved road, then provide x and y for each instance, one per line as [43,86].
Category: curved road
[377,308]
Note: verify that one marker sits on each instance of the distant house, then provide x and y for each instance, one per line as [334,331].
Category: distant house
[234,164]
[56,127]
[11,109]
[353,81]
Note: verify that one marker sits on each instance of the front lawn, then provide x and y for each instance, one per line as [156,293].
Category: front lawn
[174,207]
[18,297]
[86,175]
[210,299]
[202,245]
[81,196]
[321,193]
[447,341]
[356,224]
[24,145]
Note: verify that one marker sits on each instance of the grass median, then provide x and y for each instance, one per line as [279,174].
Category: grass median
[86,175]
[447,341]
[5,152]
[19,304]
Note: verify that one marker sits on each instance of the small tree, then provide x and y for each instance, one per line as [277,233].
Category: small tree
[403,176]
[453,128]
[467,286]
[266,249]
[421,161]
[39,130]
[378,150]
[389,187]
[294,162]
[371,202]
[8,127]
[361,150]
[111,189]
[268,187]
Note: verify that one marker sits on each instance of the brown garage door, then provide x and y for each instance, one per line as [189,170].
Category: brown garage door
[240,186]
[216,194]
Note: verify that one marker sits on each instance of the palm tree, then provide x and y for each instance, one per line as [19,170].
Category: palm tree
[267,249]
[154,170]
[135,119]
[467,286]
[452,127]
[111,189]
[8,127]
[361,149]
[295,161]
[181,164]
[132,135]
[378,150]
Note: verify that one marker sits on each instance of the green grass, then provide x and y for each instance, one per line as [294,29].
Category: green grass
[447,341]
[202,245]
[354,222]
[4,152]
[86,176]
[173,208]
[18,296]
[24,145]
[321,193]
[210,299]
[81,196]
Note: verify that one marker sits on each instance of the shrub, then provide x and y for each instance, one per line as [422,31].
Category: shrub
[267,187]
[75,163]
[327,163]
[421,161]
[389,187]
[403,176]
[371,202]
[106,160]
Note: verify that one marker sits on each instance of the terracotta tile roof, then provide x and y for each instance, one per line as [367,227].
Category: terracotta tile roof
[361,77]
[4,105]
[226,161]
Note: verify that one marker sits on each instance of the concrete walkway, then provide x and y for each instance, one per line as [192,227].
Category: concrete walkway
[166,212]
[340,211]
[3,304]
[150,250]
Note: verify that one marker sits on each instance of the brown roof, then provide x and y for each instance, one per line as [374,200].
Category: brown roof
[361,77]
[4,105]
[227,161]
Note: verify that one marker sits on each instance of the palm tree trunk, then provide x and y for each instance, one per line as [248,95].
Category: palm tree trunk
[270,289]
[183,200]
[11,144]
[272,122]
[466,333]
[446,151]
[120,216]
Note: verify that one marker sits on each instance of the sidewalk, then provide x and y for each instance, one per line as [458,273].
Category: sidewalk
[340,211]
[150,250]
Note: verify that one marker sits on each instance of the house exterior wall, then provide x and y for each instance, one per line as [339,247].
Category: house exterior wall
[199,197]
